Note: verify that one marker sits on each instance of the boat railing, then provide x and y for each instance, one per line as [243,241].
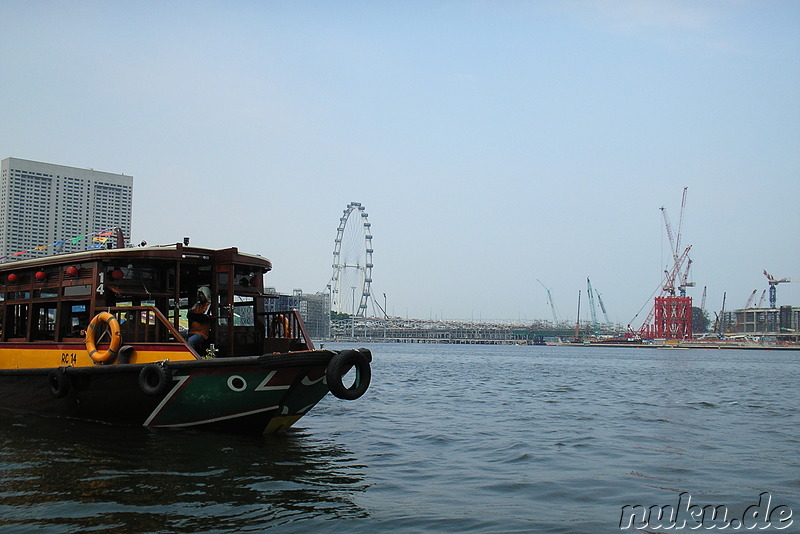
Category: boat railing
[145,324]
[286,331]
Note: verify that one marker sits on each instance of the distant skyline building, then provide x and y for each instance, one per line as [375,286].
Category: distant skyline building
[48,209]
[315,309]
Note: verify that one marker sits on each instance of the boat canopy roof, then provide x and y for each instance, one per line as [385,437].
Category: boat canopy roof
[172,252]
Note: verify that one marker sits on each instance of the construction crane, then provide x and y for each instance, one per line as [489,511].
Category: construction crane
[552,304]
[703,299]
[675,245]
[670,235]
[773,282]
[589,291]
[669,280]
[668,288]
[603,307]
[680,221]
[750,300]
[761,300]
[674,275]
[685,279]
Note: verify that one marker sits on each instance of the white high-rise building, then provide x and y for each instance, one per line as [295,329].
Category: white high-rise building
[48,209]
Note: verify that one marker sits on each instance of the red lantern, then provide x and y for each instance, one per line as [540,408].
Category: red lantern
[13,277]
[117,274]
[72,271]
[41,276]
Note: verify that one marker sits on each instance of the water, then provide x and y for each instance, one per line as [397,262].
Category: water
[447,439]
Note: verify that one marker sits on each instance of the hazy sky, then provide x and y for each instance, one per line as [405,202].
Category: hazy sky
[493,143]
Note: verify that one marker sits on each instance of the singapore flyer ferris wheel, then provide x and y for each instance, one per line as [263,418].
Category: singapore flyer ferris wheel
[352,262]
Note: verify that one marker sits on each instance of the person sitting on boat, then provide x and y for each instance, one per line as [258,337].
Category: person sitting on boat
[199,320]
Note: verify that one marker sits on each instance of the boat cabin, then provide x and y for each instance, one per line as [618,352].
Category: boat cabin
[51,300]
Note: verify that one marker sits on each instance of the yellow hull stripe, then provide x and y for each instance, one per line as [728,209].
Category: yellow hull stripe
[32,356]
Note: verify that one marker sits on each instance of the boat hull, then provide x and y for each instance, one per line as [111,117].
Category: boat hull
[252,394]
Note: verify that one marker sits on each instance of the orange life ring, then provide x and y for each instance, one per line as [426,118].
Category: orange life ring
[116,338]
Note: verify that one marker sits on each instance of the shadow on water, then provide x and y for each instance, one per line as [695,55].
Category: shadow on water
[59,475]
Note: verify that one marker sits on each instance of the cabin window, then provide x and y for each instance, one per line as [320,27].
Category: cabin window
[223,308]
[44,321]
[16,321]
[182,303]
[49,293]
[74,291]
[134,281]
[243,311]
[183,322]
[75,318]
[147,278]
[247,282]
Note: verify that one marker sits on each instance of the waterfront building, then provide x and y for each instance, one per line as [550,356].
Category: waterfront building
[781,322]
[314,309]
[48,209]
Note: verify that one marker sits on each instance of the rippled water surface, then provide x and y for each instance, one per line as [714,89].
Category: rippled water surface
[447,439]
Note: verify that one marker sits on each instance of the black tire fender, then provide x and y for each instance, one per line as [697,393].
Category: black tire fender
[59,382]
[154,379]
[339,365]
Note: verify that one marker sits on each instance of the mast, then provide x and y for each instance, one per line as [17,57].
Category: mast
[119,237]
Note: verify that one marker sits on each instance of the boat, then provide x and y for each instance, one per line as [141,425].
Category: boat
[101,335]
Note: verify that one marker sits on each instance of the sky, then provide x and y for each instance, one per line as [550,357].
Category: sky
[497,146]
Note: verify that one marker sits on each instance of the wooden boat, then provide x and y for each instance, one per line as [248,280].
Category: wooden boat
[101,335]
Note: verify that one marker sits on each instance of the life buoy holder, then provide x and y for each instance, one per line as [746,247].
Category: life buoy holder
[339,366]
[116,338]
[281,327]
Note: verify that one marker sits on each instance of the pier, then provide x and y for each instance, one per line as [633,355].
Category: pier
[396,330]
